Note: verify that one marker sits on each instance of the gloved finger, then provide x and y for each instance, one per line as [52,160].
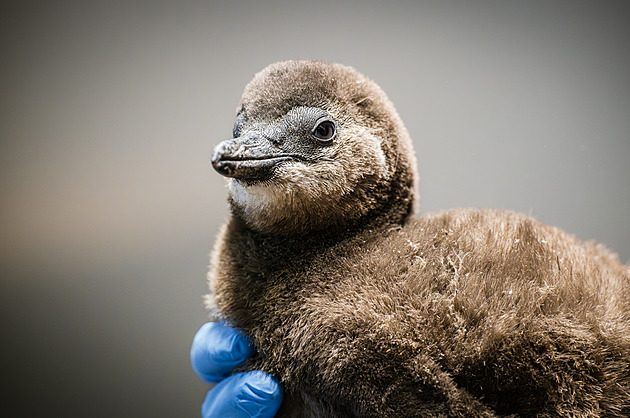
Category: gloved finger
[244,395]
[217,350]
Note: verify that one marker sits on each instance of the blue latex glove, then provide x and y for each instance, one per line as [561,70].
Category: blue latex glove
[216,351]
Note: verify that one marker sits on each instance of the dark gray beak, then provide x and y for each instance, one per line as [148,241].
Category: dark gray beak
[250,157]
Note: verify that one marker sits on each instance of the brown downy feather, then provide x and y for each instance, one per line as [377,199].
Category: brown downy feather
[360,309]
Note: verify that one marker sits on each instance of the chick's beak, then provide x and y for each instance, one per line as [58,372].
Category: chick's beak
[248,157]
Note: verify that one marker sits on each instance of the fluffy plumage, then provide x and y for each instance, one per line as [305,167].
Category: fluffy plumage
[361,309]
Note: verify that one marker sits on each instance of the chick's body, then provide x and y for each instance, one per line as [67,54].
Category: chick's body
[460,313]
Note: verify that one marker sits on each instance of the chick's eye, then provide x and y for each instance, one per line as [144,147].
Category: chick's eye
[324,131]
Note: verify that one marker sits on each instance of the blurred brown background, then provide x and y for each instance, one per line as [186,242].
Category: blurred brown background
[109,112]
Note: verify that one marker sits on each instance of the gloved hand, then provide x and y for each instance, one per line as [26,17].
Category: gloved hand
[216,351]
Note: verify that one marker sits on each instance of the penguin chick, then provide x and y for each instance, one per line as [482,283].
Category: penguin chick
[361,309]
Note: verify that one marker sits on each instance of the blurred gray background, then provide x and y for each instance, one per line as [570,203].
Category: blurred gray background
[109,112]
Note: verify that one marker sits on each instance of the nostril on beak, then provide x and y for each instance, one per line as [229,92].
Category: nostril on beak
[247,157]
